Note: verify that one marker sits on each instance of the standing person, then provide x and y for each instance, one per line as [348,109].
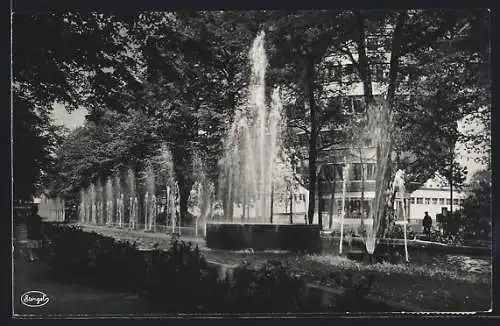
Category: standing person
[427,223]
[35,232]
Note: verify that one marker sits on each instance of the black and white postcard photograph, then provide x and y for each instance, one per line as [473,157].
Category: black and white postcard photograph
[251,162]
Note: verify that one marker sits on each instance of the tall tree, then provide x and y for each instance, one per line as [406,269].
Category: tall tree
[411,110]
[58,57]
[476,209]
[302,41]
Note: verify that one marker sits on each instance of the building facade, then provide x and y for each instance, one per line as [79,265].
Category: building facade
[354,193]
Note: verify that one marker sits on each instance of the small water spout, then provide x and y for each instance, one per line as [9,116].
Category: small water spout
[146,217]
[345,173]
[399,188]
[109,202]
[152,214]
[120,210]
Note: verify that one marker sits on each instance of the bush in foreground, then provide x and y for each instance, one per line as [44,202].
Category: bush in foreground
[180,280]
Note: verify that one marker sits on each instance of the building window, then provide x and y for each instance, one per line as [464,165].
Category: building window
[358,104]
[420,200]
[355,171]
[448,201]
[427,201]
[413,200]
[328,171]
[441,201]
[455,201]
[434,201]
[370,171]
[378,72]
[339,171]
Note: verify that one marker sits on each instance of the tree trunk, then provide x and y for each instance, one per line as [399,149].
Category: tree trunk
[272,204]
[451,198]
[313,152]
[184,185]
[244,204]
[451,180]
[363,64]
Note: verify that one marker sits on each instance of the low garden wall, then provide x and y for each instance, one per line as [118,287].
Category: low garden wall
[354,247]
[293,237]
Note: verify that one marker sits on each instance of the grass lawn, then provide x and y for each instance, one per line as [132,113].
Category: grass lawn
[431,288]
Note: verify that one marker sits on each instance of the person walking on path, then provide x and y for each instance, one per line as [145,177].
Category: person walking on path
[427,223]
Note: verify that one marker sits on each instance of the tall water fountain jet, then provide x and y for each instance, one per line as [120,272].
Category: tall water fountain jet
[100,199]
[81,207]
[203,189]
[109,202]
[133,202]
[93,207]
[166,179]
[345,179]
[84,204]
[134,213]
[145,207]
[100,211]
[149,215]
[153,213]
[253,145]
[380,130]
[254,169]
[119,211]
[88,205]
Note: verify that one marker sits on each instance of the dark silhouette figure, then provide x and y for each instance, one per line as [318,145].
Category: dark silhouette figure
[34,223]
[427,223]
[35,233]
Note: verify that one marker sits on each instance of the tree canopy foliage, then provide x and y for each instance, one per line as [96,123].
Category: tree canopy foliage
[175,78]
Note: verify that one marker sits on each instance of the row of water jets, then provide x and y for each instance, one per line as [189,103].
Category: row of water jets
[114,205]
[54,209]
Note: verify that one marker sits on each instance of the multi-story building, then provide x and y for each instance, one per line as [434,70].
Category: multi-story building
[356,193]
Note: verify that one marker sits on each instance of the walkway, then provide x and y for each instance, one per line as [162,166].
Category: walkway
[146,239]
[69,300]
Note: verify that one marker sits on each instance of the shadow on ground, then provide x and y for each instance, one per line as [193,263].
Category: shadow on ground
[69,299]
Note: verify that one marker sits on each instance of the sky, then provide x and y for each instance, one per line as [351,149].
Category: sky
[70,120]
[77,118]
[467,159]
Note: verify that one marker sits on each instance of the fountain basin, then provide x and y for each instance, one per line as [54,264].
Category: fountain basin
[260,236]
